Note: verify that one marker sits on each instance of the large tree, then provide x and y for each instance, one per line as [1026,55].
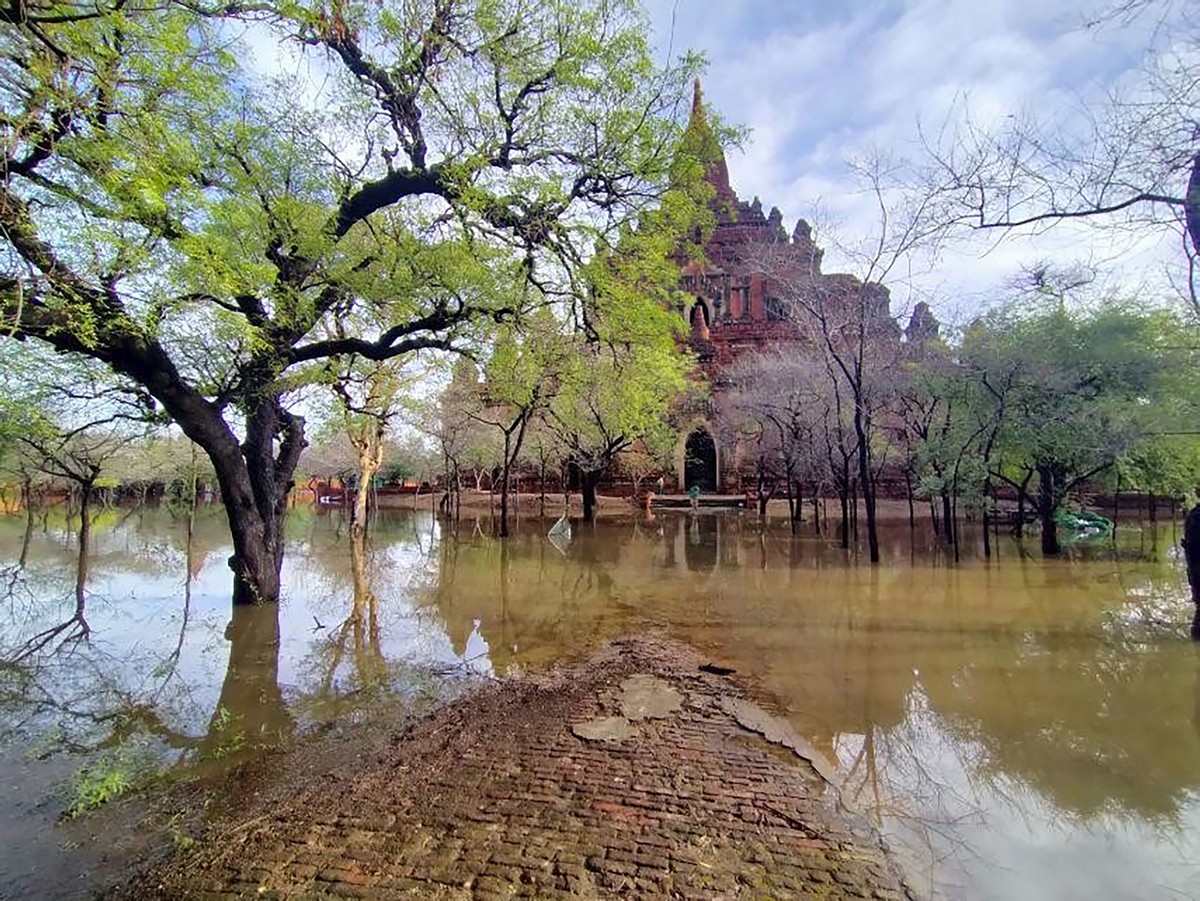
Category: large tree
[609,399]
[1070,393]
[194,226]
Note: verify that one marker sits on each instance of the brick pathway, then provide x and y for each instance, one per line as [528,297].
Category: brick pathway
[496,797]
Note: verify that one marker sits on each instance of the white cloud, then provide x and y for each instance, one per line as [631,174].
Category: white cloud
[819,83]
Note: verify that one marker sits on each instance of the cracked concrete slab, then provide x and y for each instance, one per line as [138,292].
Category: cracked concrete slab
[646,697]
[778,731]
[606,728]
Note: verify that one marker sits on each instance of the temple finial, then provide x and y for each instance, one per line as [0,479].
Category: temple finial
[697,99]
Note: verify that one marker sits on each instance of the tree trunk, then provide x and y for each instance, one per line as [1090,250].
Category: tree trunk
[987,540]
[1047,506]
[844,529]
[862,425]
[1191,206]
[1191,555]
[947,516]
[504,476]
[27,500]
[370,458]
[587,483]
[1022,494]
[954,526]
[85,533]
[764,496]
[512,447]
[854,509]
[254,485]
[908,490]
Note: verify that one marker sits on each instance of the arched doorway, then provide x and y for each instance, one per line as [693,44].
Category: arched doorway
[700,461]
[700,321]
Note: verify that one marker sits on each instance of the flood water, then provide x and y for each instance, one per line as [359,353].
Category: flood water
[1020,729]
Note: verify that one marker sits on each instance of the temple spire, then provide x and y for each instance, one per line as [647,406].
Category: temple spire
[702,138]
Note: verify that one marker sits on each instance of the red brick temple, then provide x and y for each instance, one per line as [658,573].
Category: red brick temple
[750,264]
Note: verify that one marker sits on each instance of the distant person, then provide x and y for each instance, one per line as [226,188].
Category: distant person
[694,496]
[659,486]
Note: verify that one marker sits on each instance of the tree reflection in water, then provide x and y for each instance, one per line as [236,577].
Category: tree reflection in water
[60,637]
[359,631]
[250,709]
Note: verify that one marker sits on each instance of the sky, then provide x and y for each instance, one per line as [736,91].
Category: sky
[817,83]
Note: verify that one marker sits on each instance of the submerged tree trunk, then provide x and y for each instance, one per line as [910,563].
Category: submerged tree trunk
[987,520]
[254,485]
[954,528]
[1047,506]
[862,426]
[254,477]
[504,484]
[764,494]
[844,529]
[1022,496]
[85,536]
[588,482]
[947,516]
[27,500]
[513,440]
[908,491]
[854,509]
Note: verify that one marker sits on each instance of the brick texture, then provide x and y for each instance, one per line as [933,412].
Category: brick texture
[493,797]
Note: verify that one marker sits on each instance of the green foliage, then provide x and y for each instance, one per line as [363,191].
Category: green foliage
[179,839]
[1080,389]
[609,399]
[217,237]
[1050,398]
[228,737]
[111,775]
[98,784]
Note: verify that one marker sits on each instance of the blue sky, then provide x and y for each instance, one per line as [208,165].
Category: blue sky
[817,83]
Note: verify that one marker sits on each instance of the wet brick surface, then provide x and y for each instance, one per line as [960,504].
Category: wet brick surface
[494,797]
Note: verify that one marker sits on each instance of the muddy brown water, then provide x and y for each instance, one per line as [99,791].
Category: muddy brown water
[1020,729]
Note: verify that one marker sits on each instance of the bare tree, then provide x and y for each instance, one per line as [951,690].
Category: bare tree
[776,404]
[847,318]
[1127,160]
